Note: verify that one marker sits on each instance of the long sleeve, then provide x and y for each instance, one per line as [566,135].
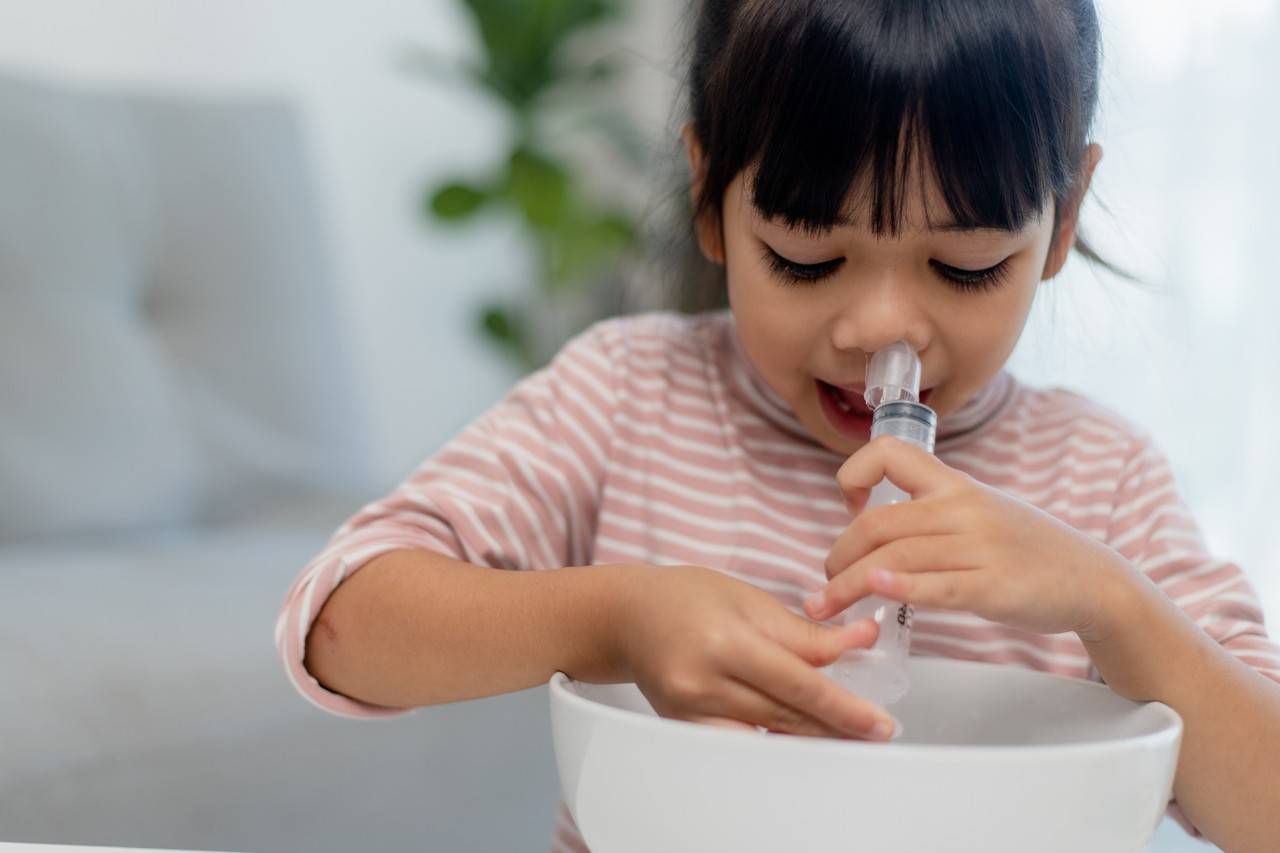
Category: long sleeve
[518,489]
[1152,528]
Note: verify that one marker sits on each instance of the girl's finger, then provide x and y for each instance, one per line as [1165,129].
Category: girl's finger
[884,524]
[723,722]
[817,644]
[910,468]
[957,590]
[748,707]
[941,554]
[780,674]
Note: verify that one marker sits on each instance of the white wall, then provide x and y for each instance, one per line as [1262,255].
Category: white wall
[1189,123]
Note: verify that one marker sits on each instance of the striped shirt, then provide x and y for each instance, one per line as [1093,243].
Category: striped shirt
[653,439]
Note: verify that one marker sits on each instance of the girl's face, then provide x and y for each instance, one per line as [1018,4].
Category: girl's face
[811,308]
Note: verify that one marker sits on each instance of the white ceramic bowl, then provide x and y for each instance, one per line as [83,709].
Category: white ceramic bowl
[992,759]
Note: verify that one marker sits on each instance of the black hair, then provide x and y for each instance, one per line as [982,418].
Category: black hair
[819,98]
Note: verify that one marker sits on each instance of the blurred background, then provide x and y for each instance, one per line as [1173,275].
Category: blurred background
[258,258]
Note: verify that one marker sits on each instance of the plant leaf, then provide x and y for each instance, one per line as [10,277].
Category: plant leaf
[539,187]
[502,326]
[523,38]
[456,201]
[580,248]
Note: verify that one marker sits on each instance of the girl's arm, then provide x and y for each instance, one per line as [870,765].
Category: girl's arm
[417,628]
[517,490]
[1228,778]
[1190,633]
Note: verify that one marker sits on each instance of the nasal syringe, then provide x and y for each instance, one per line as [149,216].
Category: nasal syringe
[879,673]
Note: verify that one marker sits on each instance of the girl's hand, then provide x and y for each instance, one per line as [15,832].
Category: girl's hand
[960,544]
[706,647]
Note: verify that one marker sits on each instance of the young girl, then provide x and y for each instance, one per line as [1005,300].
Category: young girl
[677,498]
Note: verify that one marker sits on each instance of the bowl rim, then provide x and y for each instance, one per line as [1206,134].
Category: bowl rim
[559,691]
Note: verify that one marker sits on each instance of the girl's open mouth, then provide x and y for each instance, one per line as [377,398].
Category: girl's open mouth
[847,412]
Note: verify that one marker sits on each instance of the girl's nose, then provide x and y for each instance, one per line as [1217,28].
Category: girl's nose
[879,312]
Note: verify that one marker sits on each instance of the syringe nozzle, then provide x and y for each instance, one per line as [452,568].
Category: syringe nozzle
[892,375]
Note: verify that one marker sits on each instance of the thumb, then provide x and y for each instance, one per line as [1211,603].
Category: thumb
[725,722]
[820,644]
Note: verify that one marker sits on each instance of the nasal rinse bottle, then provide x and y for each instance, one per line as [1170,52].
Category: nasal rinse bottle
[879,673]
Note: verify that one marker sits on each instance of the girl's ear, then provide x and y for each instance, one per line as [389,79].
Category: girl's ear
[1069,215]
[707,225]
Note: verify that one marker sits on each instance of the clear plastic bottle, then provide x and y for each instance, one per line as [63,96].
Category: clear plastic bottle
[879,674]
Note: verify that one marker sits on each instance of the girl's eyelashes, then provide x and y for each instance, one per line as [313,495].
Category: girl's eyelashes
[968,281]
[792,272]
[973,281]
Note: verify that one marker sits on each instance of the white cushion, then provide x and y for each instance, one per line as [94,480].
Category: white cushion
[91,435]
[170,349]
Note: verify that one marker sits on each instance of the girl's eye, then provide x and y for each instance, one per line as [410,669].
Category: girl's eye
[794,273]
[973,281]
[968,281]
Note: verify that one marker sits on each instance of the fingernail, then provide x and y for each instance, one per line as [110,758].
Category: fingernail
[882,575]
[882,730]
[862,626]
[817,602]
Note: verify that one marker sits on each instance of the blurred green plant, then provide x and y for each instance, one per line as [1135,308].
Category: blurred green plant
[526,68]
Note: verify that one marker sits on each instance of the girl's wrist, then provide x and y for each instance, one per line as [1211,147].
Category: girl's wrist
[1142,644]
[1114,598]
[608,609]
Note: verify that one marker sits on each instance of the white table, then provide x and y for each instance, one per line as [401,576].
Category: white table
[1169,838]
[60,848]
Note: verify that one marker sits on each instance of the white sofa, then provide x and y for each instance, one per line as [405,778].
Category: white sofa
[180,430]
